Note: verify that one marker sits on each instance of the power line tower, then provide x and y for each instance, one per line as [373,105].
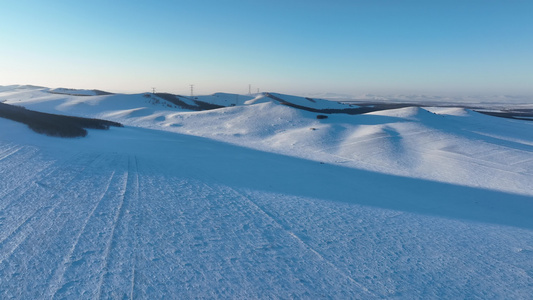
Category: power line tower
[192,90]
[153,90]
[249,89]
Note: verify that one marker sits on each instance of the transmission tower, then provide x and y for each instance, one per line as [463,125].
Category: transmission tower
[192,90]
[249,89]
[153,90]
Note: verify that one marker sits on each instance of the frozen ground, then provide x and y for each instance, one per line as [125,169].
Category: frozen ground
[407,203]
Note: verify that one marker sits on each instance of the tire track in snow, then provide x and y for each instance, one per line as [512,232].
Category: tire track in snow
[25,161]
[109,243]
[144,282]
[7,153]
[36,179]
[6,148]
[287,230]
[16,157]
[187,221]
[46,174]
[67,259]
[55,228]
[172,238]
[22,230]
[88,260]
[135,230]
[120,248]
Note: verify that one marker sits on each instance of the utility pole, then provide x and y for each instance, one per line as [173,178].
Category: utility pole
[192,90]
[153,90]
[249,89]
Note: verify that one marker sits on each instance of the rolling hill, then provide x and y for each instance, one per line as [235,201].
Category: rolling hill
[235,196]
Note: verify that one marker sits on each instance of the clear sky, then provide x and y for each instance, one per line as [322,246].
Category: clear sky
[289,46]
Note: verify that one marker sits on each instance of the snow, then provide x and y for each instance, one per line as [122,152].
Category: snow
[224,99]
[310,102]
[77,92]
[250,202]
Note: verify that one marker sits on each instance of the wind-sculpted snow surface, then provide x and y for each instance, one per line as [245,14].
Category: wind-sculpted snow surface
[410,203]
[136,213]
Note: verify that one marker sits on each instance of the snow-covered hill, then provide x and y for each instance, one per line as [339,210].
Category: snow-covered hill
[78,92]
[264,200]
[453,145]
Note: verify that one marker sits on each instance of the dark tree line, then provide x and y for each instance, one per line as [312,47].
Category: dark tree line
[53,124]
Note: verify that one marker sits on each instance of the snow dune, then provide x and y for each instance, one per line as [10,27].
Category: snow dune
[251,202]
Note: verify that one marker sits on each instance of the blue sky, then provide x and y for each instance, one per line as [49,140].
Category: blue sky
[351,47]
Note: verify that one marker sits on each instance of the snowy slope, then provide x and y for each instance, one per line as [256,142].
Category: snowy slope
[78,92]
[135,105]
[305,102]
[406,203]
[450,145]
[119,213]
[225,99]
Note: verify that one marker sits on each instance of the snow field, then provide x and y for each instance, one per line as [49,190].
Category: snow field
[110,223]
[406,204]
